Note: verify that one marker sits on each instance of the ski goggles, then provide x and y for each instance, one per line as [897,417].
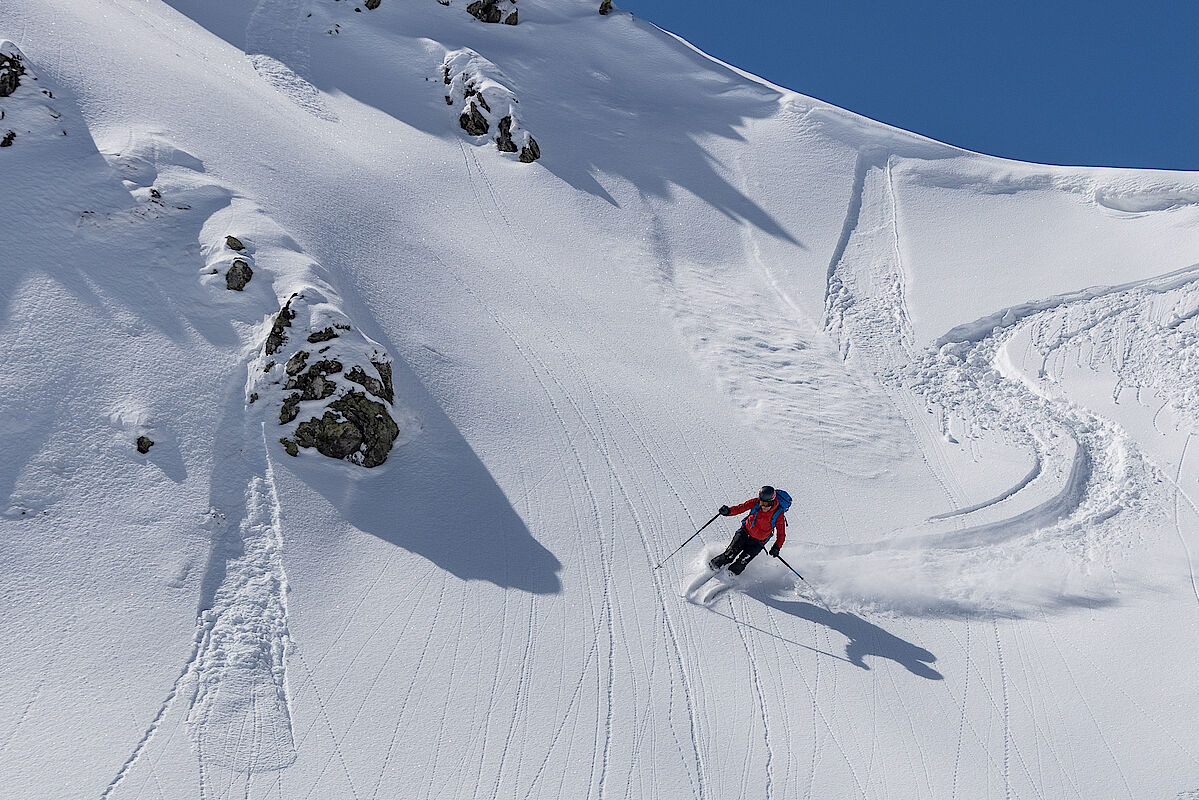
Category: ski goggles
[766,498]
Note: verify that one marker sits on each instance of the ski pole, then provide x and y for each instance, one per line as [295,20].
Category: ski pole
[805,580]
[689,538]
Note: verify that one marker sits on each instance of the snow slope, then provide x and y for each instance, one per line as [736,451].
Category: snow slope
[977,377]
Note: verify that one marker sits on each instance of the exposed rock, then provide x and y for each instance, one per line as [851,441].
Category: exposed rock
[336,403]
[379,388]
[472,121]
[144,444]
[530,152]
[355,428]
[295,365]
[8,139]
[322,335]
[277,337]
[384,370]
[314,384]
[331,436]
[503,140]
[233,243]
[253,398]
[290,409]
[606,7]
[485,10]
[511,18]
[290,447]
[11,70]
[371,5]
[238,275]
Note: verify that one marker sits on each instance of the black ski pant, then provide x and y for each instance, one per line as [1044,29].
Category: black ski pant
[739,553]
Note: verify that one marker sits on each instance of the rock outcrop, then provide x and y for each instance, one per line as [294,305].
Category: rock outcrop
[340,397]
[494,11]
[238,276]
[28,110]
[11,68]
[477,91]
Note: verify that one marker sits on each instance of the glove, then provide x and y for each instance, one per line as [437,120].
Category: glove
[774,550]
[724,511]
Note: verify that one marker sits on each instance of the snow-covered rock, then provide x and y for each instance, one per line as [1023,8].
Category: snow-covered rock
[331,383]
[494,11]
[478,93]
[27,104]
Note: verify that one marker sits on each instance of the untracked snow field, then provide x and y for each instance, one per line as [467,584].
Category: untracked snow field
[446,333]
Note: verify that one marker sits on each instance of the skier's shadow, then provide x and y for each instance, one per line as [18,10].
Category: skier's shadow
[865,638]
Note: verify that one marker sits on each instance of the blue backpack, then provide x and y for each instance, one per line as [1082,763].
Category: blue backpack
[784,503]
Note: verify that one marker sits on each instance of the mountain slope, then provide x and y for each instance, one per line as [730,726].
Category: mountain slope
[976,376]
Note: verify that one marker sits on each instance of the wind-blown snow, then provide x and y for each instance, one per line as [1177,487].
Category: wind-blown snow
[977,377]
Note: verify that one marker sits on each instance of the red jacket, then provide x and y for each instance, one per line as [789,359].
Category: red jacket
[758,523]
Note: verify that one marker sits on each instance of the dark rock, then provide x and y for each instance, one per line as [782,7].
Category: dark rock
[511,18]
[253,398]
[371,4]
[144,444]
[322,336]
[8,139]
[238,275]
[295,365]
[314,384]
[606,7]
[11,70]
[330,436]
[157,195]
[354,425]
[530,152]
[472,121]
[384,370]
[290,409]
[379,388]
[277,337]
[233,243]
[290,447]
[270,365]
[504,140]
[485,10]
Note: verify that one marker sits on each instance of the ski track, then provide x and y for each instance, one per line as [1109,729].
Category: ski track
[1179,495]
[225,671]
[598,438]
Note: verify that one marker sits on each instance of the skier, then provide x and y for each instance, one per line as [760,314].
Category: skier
[755,530]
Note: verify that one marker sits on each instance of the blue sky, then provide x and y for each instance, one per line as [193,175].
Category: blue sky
[1095,83]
